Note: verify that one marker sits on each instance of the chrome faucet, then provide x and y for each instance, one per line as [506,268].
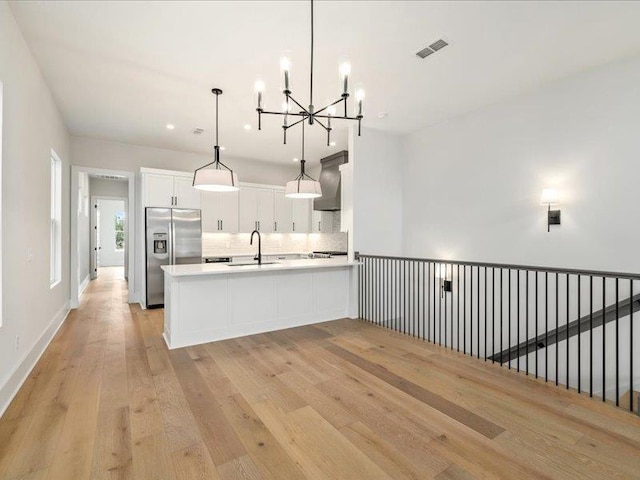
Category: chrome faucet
[259,256]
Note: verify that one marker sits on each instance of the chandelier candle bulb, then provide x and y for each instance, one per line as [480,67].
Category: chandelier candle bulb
[345,70]
[259,88]
[285,66]
[359,99]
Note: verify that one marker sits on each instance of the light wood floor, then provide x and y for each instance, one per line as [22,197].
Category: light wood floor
[338,400]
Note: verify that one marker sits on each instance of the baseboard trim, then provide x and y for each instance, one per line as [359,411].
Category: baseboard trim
[10,388]
[83,285]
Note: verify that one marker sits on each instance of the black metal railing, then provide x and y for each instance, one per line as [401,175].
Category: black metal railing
[571,327]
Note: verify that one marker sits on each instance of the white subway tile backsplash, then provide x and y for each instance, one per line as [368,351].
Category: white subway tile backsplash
[238,243]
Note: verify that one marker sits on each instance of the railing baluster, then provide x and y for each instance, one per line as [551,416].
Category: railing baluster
[464,310]
[631,345]
[470,310]
[604,338]
[501,316]
[557,332]
[518,320]
[579,364]
[536,333]
[546,327]
[428,301]
[526,317]
[617,347]
[567,334]
[591,336]
[485,313]
[509,319]
[493,315]
[458,309]
[478,313]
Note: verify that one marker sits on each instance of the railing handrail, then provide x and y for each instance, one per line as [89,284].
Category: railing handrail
[532,268]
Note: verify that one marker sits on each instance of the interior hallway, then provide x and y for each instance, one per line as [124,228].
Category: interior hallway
[342,399]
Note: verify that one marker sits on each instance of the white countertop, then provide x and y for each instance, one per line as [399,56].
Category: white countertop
[223,268]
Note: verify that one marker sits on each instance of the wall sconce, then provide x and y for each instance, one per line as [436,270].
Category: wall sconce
[445,284]
[550,196]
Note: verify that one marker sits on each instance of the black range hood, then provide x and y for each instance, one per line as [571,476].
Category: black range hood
[330,182]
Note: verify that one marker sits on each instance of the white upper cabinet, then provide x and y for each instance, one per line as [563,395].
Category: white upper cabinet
[301,215]
[169,191]
[256,210]
[283,222]
[322,222]
[185,195]
[158,190]
[219,212]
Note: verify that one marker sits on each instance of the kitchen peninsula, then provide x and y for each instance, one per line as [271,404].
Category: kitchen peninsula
[210,302]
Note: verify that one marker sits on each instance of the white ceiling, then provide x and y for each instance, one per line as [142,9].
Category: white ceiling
[123,70]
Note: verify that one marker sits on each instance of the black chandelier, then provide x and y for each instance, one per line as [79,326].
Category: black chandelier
[309,114]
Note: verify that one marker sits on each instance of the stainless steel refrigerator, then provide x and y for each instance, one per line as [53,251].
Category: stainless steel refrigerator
[173,237]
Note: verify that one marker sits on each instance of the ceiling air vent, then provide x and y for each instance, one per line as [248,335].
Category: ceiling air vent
[433,48]
[197,131]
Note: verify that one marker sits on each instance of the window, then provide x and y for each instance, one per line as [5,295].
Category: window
[55,226]
[119,224]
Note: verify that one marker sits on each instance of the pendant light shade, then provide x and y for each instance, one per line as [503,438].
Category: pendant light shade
[215,176]
[303,188]
[215,180]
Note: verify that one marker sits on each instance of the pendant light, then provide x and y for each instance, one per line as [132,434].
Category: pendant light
[303,186]
[215,176]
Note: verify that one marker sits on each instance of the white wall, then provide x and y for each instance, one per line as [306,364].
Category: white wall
[90,152]
[108,256]
[32,126]
[472,185]
[377,192]
[101,187]
[83,215]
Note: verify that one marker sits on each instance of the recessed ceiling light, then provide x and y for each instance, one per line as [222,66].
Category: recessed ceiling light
[247,126]
[170,126]
[333,144]
[382,115]
[222,148]
[295,159]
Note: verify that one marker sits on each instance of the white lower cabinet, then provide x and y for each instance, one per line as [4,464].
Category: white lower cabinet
[219,212]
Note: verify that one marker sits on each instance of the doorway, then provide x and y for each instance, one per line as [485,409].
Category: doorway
[109,242]
[88,186]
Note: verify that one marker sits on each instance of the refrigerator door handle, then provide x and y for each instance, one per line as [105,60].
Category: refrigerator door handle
[172,260]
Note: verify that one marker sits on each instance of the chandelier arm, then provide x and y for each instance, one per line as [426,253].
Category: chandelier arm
[298,104]
[322,124]
[266,112]
[295,123]
[330,105]
[338,118]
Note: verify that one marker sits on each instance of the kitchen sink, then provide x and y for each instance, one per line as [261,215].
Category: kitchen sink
[249,264]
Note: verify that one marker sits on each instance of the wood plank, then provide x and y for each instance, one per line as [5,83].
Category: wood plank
[194,463]
[466,417]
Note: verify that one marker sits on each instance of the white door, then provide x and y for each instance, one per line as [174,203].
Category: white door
[210,211]
[228,211]
[248,209]
[158,190]
[266,210]
[301,215]
[186,195]
[283,219]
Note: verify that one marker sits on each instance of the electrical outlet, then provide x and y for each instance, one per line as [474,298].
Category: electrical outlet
[17,342]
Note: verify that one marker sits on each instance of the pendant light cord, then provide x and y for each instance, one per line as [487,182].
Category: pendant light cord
[311,77]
